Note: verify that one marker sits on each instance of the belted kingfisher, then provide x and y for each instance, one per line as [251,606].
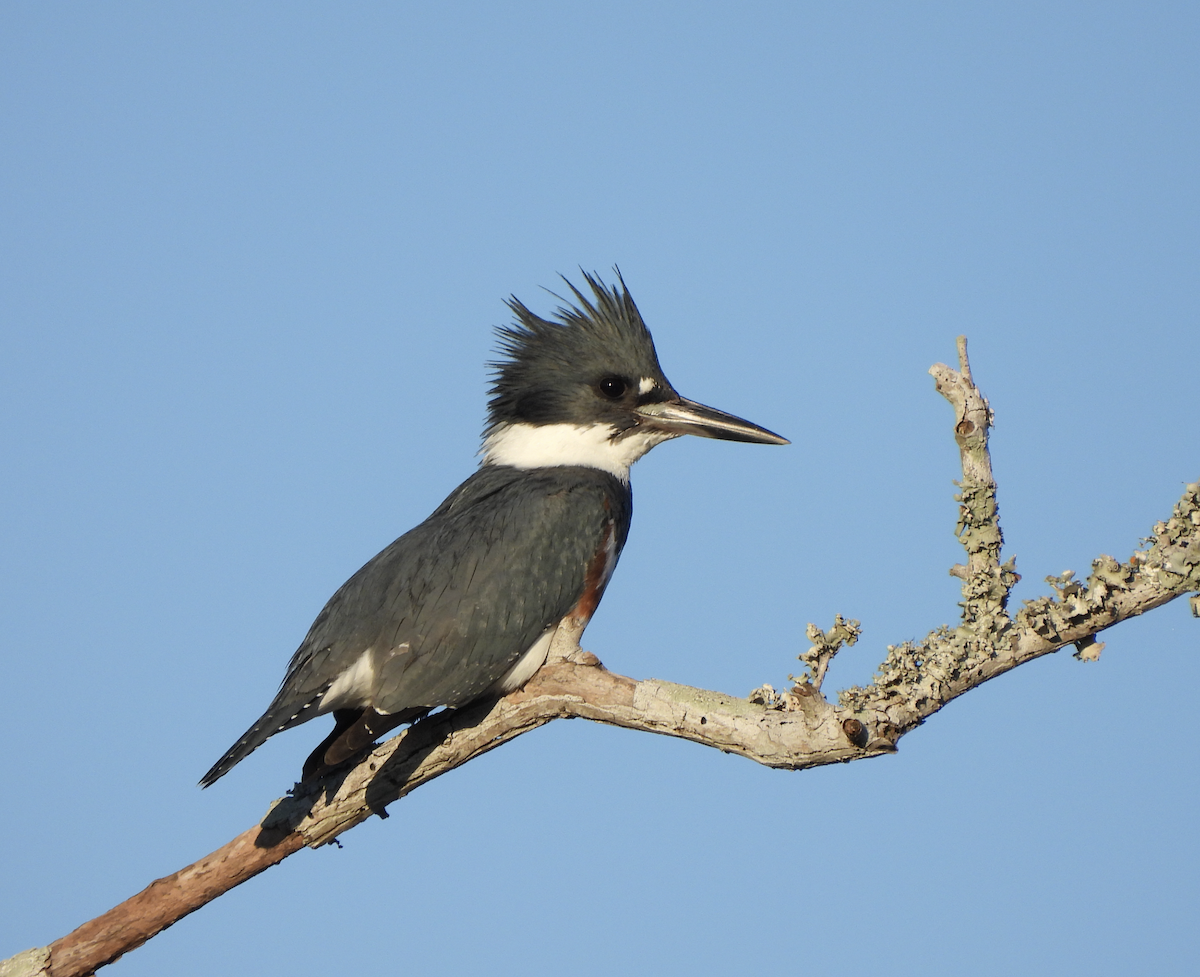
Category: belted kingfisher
[466,605]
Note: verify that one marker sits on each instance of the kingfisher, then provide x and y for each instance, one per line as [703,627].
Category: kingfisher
[467,604]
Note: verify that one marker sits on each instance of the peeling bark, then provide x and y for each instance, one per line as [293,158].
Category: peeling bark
[793,730]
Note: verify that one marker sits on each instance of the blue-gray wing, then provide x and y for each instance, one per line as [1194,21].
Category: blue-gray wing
[449,607]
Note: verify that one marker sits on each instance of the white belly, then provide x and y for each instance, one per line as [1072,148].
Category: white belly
[526,665]
[353,687]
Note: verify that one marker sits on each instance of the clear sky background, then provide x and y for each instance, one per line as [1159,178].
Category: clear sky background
[252,255]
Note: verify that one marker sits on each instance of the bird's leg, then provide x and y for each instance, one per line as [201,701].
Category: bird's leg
[343,719]
[564,646]
[354,730]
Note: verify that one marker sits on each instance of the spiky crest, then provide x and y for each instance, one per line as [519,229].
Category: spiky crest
[545,361]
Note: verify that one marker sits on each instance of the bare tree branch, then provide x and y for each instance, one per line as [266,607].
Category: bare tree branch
[793,730]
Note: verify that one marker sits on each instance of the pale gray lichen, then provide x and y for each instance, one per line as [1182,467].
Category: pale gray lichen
[978,526]
[765,695]
[932,671]
[918,677]
[825,644]
[1170,560]
[918,672]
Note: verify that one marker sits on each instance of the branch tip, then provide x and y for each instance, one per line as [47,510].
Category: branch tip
[824,646]
[964,365]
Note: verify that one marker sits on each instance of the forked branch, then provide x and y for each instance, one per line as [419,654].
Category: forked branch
[794,730]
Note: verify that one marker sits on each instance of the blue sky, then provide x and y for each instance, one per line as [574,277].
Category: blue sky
[252,255]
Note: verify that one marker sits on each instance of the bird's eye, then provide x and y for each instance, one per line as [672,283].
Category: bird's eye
[613,387]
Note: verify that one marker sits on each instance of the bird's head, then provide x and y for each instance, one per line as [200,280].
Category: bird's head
[586,388]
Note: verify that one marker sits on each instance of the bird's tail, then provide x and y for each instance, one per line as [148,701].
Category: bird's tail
[279,716]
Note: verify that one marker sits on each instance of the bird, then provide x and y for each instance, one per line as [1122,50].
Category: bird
[467,604]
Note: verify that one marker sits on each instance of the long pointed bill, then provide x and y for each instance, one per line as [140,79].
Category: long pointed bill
[681,416]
